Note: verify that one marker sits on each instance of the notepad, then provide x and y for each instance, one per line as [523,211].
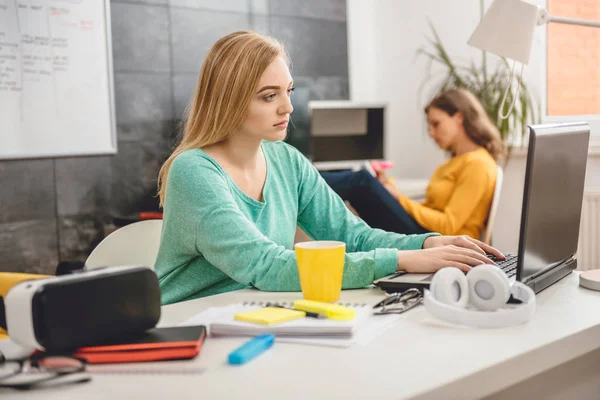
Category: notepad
[221,321]
[362,330]
[269,315]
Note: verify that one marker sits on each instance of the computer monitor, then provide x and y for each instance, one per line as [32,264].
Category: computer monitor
[346,131]
[552,199]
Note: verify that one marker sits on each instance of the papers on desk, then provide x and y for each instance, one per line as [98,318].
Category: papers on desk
[311,331]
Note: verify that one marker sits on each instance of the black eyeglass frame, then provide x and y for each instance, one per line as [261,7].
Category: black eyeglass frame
[399,302]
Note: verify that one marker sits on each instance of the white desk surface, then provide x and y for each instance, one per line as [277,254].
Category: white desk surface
[418,357]
[413,188]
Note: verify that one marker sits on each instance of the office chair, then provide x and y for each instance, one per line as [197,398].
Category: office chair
[486,233]
[133,244]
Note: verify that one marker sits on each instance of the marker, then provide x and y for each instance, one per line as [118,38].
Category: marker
[251,349]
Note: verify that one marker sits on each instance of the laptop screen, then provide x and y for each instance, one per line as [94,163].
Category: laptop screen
[553,195]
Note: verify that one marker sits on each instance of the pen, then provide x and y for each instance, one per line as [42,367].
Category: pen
[308,314]
[251,349]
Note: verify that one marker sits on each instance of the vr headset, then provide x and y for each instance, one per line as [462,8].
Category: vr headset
[84,308]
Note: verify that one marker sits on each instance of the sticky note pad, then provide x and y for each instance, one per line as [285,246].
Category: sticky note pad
[269,315]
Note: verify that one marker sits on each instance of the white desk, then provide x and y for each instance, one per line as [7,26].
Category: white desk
[413,188]
[416,358]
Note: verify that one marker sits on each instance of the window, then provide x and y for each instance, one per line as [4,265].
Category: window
[572,84]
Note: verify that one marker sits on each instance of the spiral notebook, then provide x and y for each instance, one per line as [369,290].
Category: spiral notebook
[328,332]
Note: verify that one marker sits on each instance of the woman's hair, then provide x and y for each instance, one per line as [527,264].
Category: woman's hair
[227,81]
[476,121]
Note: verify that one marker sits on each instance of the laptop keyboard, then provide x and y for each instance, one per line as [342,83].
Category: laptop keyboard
[509,266]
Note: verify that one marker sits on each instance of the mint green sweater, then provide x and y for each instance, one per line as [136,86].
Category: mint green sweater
[217,239]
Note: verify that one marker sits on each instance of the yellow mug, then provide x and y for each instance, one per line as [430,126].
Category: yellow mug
[320,267]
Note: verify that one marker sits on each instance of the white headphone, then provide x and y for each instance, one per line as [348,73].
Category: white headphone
[485,288]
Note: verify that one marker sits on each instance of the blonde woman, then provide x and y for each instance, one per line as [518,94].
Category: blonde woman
[233,192]
[459,193]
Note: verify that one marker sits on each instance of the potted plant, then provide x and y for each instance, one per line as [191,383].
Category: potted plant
[488,85]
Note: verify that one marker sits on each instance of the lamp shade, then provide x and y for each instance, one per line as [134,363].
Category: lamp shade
[507,29]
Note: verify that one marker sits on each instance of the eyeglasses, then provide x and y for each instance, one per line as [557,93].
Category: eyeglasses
[397,303]
[41,370]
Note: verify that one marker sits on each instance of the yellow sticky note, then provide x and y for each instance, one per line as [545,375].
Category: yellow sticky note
[269,315]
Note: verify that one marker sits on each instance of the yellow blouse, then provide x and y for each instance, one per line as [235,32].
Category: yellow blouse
[458,196]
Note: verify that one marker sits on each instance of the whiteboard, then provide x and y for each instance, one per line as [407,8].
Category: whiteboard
[56,84]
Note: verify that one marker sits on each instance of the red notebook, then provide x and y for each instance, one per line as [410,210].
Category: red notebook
[153,345]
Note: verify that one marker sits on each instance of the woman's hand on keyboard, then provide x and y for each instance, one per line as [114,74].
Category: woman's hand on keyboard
[462,241]
[446,251]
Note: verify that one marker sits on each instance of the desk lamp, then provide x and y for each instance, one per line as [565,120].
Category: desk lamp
[507,30]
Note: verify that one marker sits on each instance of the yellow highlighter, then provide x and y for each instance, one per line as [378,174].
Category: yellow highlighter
[333,311]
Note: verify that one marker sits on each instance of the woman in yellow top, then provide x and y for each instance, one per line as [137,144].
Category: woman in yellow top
[460,192]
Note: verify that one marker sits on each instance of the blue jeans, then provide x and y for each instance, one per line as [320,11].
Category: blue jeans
[375,205]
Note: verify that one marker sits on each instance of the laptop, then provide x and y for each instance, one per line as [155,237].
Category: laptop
[551,211]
